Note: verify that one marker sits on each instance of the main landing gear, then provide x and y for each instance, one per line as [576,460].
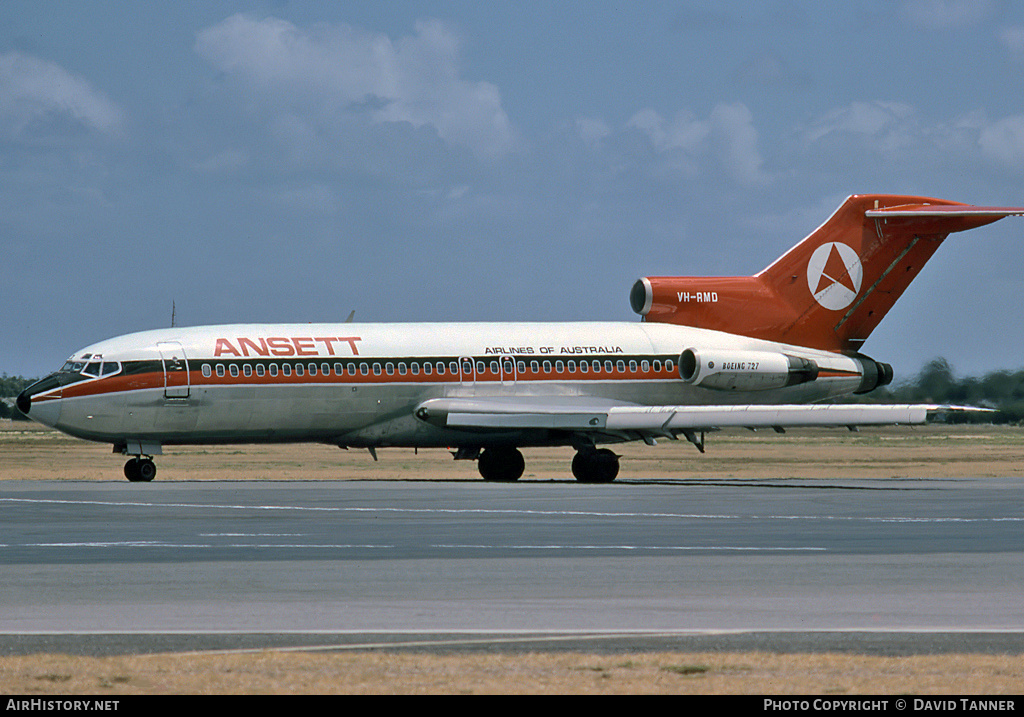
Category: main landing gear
[140,470]
[595,465]
[506,464]
[501,464]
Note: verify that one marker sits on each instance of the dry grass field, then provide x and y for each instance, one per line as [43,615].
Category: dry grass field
[31,453]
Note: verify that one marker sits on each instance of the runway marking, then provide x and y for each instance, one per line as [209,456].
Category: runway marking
[578,636]
[519,511]
[750,548]
[442,546]
[163,544]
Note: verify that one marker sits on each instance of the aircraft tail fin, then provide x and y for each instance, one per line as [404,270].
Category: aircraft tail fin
[833,288]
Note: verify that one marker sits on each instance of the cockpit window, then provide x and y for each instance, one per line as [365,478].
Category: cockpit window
[92,369]
[110,368]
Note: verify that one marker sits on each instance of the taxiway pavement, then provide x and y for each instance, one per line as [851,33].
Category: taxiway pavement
[925,562]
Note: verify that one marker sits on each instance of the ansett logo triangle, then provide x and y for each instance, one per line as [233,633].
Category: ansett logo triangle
[834,275]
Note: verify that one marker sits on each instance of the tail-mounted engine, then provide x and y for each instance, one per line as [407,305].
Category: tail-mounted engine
[874,374]
[727,370]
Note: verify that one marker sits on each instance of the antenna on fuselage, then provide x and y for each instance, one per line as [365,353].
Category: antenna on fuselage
[351,315]
[173,312]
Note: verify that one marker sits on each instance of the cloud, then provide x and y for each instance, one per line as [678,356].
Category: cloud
[36,93]
[592,130]
[727,139]
[898,138]
[1003,142]
[888,125]
[328,74]
[1012,38]
[946,14]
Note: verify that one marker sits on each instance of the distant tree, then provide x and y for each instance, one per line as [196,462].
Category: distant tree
[936,381]
[11,386]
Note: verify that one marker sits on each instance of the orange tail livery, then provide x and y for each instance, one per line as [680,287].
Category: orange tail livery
[829,291]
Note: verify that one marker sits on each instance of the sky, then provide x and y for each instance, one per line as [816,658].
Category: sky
[480,161]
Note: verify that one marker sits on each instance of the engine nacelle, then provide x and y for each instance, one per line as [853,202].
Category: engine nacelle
[874,373]
[728,370]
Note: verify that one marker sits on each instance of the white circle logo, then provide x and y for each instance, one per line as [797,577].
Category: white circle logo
[834,275]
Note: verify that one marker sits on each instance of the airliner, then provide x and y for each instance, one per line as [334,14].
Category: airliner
[771,350]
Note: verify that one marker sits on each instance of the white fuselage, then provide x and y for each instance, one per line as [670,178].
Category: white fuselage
[358,384]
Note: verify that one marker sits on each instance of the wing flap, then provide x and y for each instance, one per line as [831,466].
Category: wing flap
[706,417]
[505,414]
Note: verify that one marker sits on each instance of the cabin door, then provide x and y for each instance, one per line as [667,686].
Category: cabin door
[176,378]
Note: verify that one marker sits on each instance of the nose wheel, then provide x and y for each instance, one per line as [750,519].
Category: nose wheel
[140,470]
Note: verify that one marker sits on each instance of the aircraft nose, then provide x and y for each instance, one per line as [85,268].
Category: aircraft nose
[46,410]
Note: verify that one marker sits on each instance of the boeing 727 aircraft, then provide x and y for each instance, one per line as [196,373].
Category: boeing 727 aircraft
[709,353]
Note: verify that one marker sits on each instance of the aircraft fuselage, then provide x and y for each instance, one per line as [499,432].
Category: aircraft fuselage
[357,384]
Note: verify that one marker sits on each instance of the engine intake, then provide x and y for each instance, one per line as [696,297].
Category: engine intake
[727,370]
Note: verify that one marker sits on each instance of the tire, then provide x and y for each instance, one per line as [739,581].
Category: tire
[595,466]
[503,465]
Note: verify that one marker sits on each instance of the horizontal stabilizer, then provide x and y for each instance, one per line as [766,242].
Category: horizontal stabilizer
[945,210]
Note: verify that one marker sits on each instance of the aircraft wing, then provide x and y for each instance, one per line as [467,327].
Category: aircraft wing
[631,422]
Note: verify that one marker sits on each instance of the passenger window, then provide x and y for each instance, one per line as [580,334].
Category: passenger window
[234,370]
[273,369]
[207,371]
[247,370]
[220,370]
[260,369]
